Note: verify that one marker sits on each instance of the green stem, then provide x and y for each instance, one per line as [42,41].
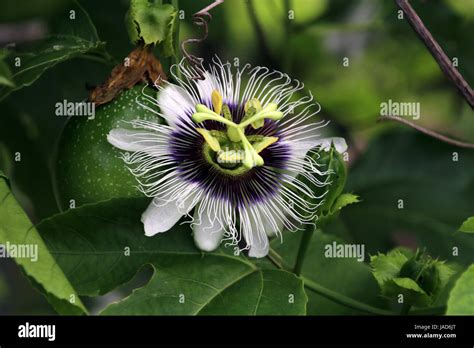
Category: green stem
[276,259]
[331,295]
[343,300]
[304,244]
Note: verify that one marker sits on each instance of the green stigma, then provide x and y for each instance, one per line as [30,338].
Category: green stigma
[255,116]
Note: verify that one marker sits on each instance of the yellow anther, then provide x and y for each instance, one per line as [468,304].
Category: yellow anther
[216,99]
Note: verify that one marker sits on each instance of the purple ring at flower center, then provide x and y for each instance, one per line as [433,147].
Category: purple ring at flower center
[254,186]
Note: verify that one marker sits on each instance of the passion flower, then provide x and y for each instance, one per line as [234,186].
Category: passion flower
[234,149]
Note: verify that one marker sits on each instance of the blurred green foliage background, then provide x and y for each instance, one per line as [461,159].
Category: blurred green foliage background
[386,61]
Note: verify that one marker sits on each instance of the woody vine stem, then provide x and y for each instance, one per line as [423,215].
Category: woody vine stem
[446,66]
[437,52]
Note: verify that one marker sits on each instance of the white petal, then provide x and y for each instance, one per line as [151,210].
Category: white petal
[175,102]
[259,247]
[254,234]
[160,215]
[339,143]
[208,231]
[300,148]
[131,140]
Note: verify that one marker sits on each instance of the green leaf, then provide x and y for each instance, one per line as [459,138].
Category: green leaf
[16,229]
[333,161]
[101,246]
[344,200]
[435,191]
[412,293]
[78,38]
[461,298]
[386,267]
[4,81]
[214,285]
[468,225]
[409,284]
[167,46]
[21,150]
[344,275]
[330,161]
[153,22]
[5,73]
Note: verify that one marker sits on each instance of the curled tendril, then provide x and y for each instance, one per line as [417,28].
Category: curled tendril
[200,19]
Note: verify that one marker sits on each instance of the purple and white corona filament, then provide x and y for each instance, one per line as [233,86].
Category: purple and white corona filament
[232,156]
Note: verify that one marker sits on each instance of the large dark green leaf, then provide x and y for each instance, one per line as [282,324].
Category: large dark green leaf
[214,285]
[344,275]
[16,230]
[102,246]
[437,194]
[78,37]
[461,298]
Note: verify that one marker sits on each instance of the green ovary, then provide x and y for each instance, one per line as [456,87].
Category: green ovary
[230,155]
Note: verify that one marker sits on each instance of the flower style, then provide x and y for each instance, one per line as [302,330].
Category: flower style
[236,155]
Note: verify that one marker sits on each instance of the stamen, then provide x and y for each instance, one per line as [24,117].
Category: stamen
[264,143]
[255,116]
[216,98]
[210,140]
[204,114]
[268,112]
[251,108]
[227,113]
[251,157]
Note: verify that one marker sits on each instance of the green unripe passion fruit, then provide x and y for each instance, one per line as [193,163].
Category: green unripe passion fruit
[88,168]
